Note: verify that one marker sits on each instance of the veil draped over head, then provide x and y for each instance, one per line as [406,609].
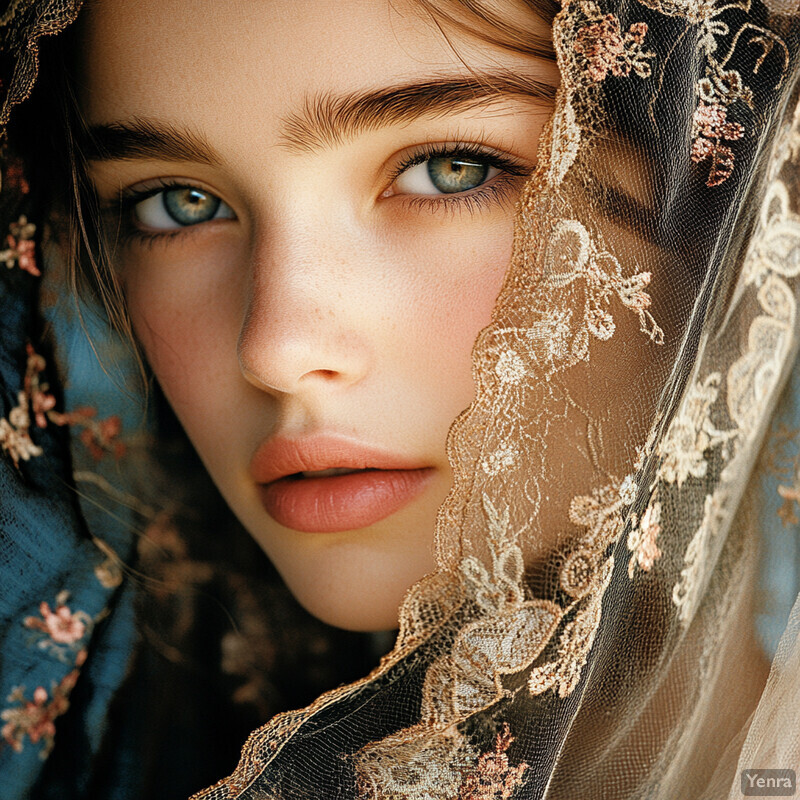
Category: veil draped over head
[618,551]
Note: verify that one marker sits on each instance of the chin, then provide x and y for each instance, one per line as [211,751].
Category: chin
[352,614]
[358,589]
[355,580]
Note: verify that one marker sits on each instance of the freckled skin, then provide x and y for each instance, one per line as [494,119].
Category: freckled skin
[328,302]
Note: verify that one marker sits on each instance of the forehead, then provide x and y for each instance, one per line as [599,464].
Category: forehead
[224,60]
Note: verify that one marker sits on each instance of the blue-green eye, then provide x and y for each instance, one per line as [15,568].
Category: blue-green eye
[445,175]
[180,207]
[456,174]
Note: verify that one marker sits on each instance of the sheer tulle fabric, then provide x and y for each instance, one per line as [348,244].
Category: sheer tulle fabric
[631,445]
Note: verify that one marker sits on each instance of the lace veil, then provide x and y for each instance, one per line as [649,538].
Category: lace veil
[609,557]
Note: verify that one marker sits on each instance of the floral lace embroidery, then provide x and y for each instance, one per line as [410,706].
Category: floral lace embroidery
[709,127]
[692,433]
[493,778]
[721,87]
[686,592]
[600,514]
[642,538]
[772,257]
[777,249]
[507,634]
[608,51]
[575,643]
[584,576]
[572,256]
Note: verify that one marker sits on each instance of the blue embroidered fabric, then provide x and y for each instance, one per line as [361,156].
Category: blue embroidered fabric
[66,616]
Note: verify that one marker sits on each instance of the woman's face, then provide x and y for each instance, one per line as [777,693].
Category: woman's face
[311,209]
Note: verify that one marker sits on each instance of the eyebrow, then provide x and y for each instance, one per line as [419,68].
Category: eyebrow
[325,120]
[328,120]
[141,138]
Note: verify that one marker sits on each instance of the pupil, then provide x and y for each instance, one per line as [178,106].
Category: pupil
[190,206]
[456,174]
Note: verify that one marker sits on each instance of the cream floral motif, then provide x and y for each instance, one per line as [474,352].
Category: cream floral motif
[692,433]
[628,489]
[506,634]
[752,380]
[772,259]
[777,248]
[600,515]
[754,376]
[687,591]
[695,11]
[584,576]
[15,437]
[500,460]
[567,135]
[21,250]
[642,538]
[510,367]
[571,257]
[577,638]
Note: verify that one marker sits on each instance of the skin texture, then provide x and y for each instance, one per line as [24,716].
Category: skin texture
[330,300]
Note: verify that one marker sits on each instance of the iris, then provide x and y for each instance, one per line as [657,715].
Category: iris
[190,206]
[450,175]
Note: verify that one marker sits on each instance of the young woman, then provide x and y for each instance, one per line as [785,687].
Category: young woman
[334,228]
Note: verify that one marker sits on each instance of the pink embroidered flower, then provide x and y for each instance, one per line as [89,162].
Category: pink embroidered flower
[15,177]
[711,121]
[710,127]
[40,398]
[608,50]
[35,718]
[26,257]
[32,719]
[98,436]
[21,247]
[493,778]
[61,625]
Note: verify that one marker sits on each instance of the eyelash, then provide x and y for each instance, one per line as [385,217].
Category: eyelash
[494,191]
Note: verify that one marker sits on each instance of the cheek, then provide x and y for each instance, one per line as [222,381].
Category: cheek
[452,305]
[182,315]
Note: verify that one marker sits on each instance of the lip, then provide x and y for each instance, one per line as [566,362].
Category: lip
[333,503]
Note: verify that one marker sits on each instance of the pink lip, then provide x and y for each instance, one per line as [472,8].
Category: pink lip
[337,502]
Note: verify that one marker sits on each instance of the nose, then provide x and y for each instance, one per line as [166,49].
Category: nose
[304,327]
